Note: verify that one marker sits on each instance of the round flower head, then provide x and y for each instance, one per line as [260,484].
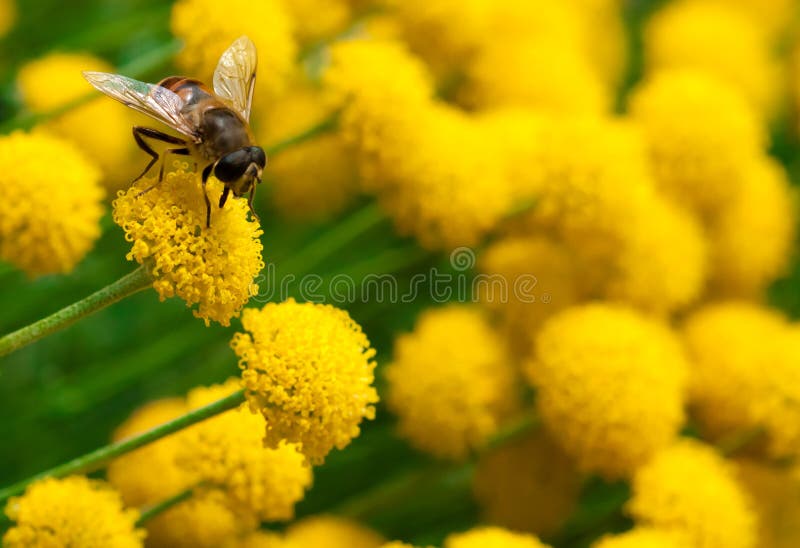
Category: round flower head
[605,376]
[311,180]
[718,39]
[752,238]
[774,492]
[208,27]
[697,164]
[52,203]
[315,20]
[451,382]
[8,15]
[492,537]
[101,128]
[331,532]
[639,537]
[258,539]
[527,484]
[227,453]
[213,268]
[74,511]
[689,490]
[308,369]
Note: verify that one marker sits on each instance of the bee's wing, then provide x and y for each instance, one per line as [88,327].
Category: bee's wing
[155,101]
[235,76]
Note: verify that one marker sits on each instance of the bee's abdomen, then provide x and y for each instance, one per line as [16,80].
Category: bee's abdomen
[224,131]
[190,90]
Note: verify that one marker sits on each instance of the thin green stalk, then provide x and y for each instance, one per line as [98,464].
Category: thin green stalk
[100,457]
[325,126]
[156,509]
[132,283]
[738,441]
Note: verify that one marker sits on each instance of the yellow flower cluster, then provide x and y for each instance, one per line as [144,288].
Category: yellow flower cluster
[318,19]
[745,373]
[527,484]
[692,492]
[213,268]
[639,537]
[325,531]
[266,22]
[74,511]
[308,369]
[451,383]
[774,492]
[606,376]
[49,217]
[492,537]
[112,147]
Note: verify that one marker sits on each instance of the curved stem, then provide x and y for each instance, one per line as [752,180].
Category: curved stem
[100,457]
[164,505]
[132,283]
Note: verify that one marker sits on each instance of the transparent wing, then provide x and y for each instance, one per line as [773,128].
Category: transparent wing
[235,76]
[155,101]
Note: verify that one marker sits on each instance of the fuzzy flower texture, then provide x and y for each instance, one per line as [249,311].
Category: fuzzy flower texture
[212,268]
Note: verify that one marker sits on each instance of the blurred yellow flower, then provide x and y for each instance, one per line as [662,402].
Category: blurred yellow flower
[492,537]
[451,383]
[8,15]
[721,40]
[74,511]
[208,27]
[606,376]
[315,20]
[52,203]
[101,128]
[527,484]
[226,452]
[308,369]
[774,492]
[698,164]
[324,531]
[213,268]
[315,179]
[689,490]
[639,537]
[259,539]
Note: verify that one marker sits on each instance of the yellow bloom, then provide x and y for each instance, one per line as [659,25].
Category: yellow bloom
[331,532]
[775,17]
[689,490]
[527,484]
[492,537]
[775,494]
[208,27]
[697,164]
[311,180]
[451,382]
[226,452]
[606,376]
[101,128]
[51,206]
[605,41]
[308,369]
[259,539]
[718,39]
[752,238]
[639,537]
[315,20]
[74,511]
[213,268]
[8,15]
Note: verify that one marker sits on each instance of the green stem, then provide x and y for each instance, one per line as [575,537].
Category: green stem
[156,509]
[325,126]
[132,283]
[738,441]
[100,457]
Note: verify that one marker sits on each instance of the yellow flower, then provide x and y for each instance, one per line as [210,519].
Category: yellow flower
[226,452]
[639,537]
[605,40]
[308,369]
[752,238]
[689,490]
[492,537]
[775,17]
[213,268]
[775,494]
[132,474]
[697,164]
[720,40]
[208,27]
[74,511]
[259,539]
[451,382]
[331,532]
[315,20]
[527,484]
[606,376]
[51,206]
[312,180]
[8,15]
[101,128]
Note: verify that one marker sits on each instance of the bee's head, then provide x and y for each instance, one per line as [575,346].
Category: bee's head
[241,169]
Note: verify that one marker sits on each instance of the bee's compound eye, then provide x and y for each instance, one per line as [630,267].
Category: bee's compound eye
[258,156]
[231,166]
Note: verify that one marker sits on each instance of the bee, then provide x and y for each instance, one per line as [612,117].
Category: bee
[215,123]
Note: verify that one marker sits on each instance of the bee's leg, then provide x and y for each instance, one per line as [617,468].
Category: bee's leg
[139,133]
[204,178]
[178,151]
[250,203]
[224,197]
